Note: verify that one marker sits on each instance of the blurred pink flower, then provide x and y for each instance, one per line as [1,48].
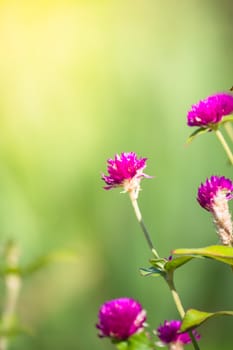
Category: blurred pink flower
[120,318]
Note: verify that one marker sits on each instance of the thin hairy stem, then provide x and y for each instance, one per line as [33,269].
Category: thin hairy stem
[170,281]
[175,295]
[225,145]
[141,223]
[229,129]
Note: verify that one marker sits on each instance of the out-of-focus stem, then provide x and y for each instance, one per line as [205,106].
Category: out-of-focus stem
[229,129]
[225,145]
[141,222]
[13,284]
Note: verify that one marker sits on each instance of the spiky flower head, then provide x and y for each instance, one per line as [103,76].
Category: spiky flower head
[213,196]
[121,318]
[211,110]
[125,170]
[214,187]
[169,333]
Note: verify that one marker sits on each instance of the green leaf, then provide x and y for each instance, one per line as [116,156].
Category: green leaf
[158,263]
[122,345]
[216,252]
[177,262]
[228,118]
[194,318]
[150,271]
[44,261]
[39,263]
[161,266]
[139,341]
[15,331]
[196,133]
[14,328]
[5,270]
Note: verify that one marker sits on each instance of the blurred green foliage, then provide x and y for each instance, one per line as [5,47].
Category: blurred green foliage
[81,81]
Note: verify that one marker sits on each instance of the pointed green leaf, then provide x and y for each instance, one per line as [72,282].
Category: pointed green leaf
[196,133]
[122,345]
[37,264]
[150,271]
[5,270]
[176,262]
[194,318]
[14,328]
[139,341]
[228,118]
[15,331]
[216,252]
[158,263]
[43,261]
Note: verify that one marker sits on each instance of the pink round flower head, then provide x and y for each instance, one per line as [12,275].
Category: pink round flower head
[120,318]
[169,333]
[211,110]
[214,187]
[213,196]
[125,170]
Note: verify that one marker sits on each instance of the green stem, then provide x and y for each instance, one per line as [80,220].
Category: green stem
[229,129]
[170,281]
[175,295]
[225,145]
[141,223]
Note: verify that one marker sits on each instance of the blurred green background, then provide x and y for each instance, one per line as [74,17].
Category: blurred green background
[81,81]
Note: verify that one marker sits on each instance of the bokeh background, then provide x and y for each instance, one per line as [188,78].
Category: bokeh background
[79,82]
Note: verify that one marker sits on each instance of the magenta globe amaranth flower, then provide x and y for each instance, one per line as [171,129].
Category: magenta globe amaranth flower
[211,110]
[125,170]
[213,196]
[169,333]
[213,188]
[120,318]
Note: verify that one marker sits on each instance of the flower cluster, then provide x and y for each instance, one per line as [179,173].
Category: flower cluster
[121,318]
[211,110]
